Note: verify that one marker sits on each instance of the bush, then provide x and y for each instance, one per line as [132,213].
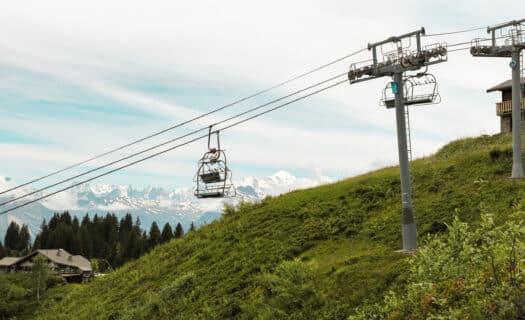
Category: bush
[497,153]
[467,274]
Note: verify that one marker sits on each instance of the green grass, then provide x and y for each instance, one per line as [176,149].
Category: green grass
[315,253]
[18,296]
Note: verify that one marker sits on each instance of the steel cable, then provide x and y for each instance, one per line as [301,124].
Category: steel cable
[278,85]
[175,147]
[172,140]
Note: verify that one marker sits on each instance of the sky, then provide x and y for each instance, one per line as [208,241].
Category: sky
[81,78]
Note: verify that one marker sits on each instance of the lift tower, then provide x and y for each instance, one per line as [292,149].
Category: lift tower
[404,57]
[514,43]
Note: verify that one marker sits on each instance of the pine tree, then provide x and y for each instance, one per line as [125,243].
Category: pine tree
[75,243]
[86,222]
[126,224]
[98,237]
[11,236]
[38,242]
[143,245]
[133,248]
[167,233]
[53,222]
[136,243]
[24,239]
[85,237]
[65,218]
[179,231]
[86,242]
[192,227]
[2,251]
[154,236]
[44,236]
[111,237]
[111,226]
[116,260]
[76,225]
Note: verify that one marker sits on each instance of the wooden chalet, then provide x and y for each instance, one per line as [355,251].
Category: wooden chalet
[7,263]
[73,268]
[504,108]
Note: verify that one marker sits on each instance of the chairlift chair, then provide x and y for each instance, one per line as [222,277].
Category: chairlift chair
[213,177]
[419,89]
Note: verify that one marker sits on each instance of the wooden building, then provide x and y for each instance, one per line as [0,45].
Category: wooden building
[7,263]
[72,268]
[504,108]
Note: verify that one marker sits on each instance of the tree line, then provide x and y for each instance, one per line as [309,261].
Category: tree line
[106,238]
[17,240]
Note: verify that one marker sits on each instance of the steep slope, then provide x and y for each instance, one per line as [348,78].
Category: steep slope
[315,253]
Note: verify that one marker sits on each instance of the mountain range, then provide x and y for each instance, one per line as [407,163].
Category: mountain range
[147,204]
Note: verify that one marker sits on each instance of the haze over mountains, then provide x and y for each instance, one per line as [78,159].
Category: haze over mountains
[148,204]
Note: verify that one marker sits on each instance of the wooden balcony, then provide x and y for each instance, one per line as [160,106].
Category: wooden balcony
[505,107]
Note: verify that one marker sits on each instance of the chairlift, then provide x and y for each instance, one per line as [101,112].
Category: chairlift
[419,89]
[213,177]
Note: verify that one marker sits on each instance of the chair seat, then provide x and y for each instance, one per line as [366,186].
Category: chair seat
[391,103]
[211,177]
[215,194]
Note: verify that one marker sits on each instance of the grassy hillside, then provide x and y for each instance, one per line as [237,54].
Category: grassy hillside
[316,253]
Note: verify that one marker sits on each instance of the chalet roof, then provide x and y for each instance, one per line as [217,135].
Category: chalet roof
[61,256]
[8,261]
[504,85]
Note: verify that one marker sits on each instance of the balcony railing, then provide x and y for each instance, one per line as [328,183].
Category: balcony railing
[506,107]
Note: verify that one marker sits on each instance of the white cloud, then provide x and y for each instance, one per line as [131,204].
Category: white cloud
[99,47]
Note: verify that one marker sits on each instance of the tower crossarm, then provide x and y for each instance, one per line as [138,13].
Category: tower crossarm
[511,32]
[492,51]
[403,58]
[512,23]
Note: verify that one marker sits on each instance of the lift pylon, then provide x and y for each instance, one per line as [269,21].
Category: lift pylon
[513,43]
[399,55]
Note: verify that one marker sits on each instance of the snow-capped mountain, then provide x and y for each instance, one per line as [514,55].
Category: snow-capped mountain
[148,204]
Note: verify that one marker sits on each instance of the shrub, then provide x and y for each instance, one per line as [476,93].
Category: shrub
[466,273]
